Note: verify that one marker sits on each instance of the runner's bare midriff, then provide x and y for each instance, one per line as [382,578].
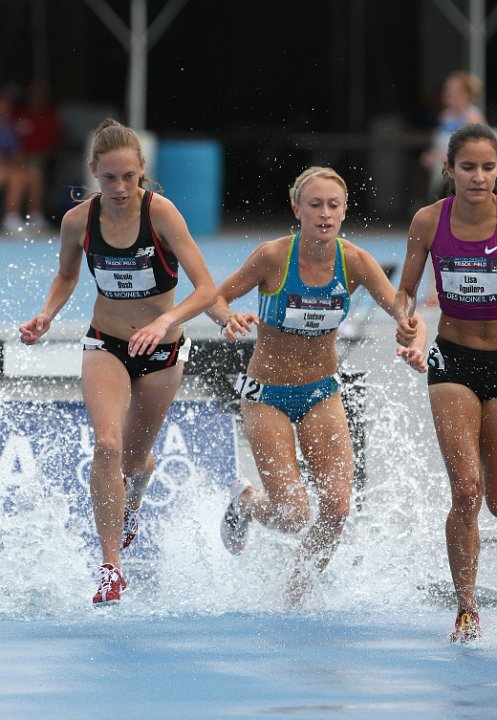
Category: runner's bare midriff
[123,318]
[285,359]
[477,334]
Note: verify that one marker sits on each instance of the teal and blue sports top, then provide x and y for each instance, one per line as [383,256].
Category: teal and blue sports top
[304,309]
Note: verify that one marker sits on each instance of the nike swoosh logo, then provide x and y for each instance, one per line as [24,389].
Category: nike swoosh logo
[489,251]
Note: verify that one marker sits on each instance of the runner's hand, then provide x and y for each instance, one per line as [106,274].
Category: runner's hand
[239,323]
[414,357]
[31,331]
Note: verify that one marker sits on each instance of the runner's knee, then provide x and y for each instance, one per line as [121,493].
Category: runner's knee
[466,499]
[107,447]
[293,511]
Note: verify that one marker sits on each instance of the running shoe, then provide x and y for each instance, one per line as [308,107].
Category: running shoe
[234,525]
[130,526]
[112,584]
[467,627]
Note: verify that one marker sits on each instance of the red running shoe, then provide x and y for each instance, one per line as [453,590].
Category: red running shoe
[112,584]
[467,627]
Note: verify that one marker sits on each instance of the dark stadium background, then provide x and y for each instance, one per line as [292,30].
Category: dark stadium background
[271,79]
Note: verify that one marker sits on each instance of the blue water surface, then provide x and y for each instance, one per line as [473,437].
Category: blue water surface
[245,666]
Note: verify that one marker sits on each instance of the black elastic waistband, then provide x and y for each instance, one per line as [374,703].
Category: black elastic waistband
[455,349]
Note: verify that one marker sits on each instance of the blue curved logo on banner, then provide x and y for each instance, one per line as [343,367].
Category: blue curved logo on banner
[52,444]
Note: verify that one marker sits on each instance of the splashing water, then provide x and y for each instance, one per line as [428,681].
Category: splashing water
[391,549]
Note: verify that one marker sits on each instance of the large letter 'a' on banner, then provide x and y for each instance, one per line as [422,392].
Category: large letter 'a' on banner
[46,450]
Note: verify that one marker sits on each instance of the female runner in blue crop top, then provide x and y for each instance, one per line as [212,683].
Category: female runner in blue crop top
[133,359]
[305,282]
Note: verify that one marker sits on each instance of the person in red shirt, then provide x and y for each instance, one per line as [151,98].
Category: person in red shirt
[39,130]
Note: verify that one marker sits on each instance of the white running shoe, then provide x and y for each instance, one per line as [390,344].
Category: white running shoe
[130,527]
[234,525]
[131,518]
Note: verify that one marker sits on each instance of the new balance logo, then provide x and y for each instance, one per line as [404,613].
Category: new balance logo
[150,251]
[160,355]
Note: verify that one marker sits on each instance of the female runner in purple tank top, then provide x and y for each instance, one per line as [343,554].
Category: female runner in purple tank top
[460,232]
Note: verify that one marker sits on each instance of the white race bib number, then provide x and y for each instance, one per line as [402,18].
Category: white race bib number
[248,388]
[312,320]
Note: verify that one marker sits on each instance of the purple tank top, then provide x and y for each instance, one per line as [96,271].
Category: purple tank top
[465,272]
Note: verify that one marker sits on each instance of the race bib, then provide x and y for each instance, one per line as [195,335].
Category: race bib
[90,343]
[248,388]
[435,358]
[469,280]
[312,319]
[184,351]
[124,277]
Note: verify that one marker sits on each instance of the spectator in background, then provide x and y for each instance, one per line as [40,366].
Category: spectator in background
[13,178]
[39,129]
[460,90]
